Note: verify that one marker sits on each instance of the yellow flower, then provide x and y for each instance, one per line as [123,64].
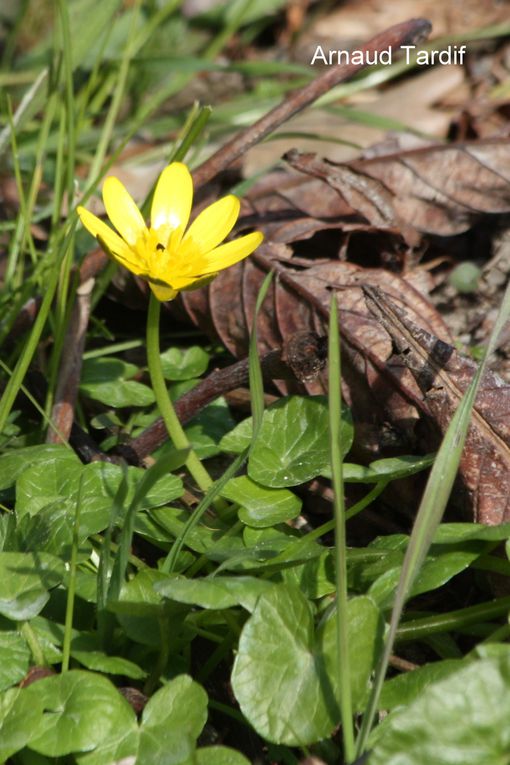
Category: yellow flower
[170,258]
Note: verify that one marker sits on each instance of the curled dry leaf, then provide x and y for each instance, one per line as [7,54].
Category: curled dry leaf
[438,190]
[443,376]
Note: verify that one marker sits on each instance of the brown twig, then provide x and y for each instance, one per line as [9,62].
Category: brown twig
[407,33]
[70,366]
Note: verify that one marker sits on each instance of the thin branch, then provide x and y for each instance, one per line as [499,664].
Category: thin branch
[407,33]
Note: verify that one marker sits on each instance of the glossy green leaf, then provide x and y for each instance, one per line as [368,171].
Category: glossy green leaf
[315,578]
[206,537]
[217,755]
[461,719]
[216,592]
[170,724]
[172,721]
[206,430]
[405,688]
[106,369]
[56,483]
[98,661]
[14,659]
[437,569]
[140,606]
[81,710]
[49,531]
[284,675]
[107,380]
[453,533]
[185,364]
[292,445]
[25,581]
[260,506]
[120,393]
[14,464]
[19,719]
[388,469]
[239,438]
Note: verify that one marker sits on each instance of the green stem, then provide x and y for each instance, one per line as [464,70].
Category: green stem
[418,629]
[33,643]
[342,599]
[166,408]
[71,591]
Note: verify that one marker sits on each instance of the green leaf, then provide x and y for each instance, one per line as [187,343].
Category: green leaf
[315,578]
[140,606]
[452,533]
[285,672]
[19,719]
[405,688]
[119,394]
[260,506]
[81,710]
[107,380]
[14,463]
[461,719]
[106,369]
[206,430]
[205,538]
[186,364]
[97,661]
[239,438]
[49,531]
[54,484]
[438,568]
[217,592]
[85,649]
[25,579]
[14,659]
[171,722]
[388,469]
[217,755]
[292,445]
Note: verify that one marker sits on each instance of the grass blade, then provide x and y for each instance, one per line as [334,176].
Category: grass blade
[342,622]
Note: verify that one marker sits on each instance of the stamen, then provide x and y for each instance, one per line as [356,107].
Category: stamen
[160,247]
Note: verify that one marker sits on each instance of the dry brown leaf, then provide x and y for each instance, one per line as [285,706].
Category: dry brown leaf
[443,377]
[440,190]
[298,301]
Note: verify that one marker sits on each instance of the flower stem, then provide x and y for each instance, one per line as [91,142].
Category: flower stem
[166,408]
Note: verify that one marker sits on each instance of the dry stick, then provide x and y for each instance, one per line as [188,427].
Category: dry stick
[71,362]
[409,32]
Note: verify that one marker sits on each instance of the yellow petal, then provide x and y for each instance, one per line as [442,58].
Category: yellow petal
[173,197]
[214,223]
[199,283]
[122,211]
[230,253]
[163,292]
[117,247]
[182,282]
